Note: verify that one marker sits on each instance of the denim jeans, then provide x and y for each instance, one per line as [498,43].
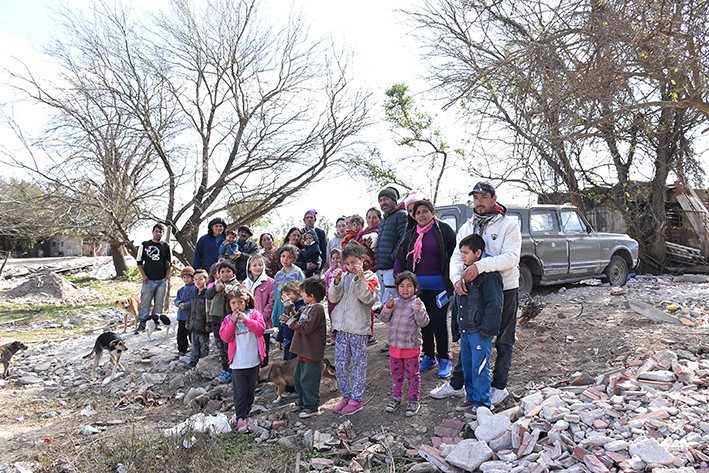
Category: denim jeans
[152,291]
[504,344]
[475,358]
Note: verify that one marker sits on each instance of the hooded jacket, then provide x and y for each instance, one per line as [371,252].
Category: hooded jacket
[354,297]
[254,322]
[264,294]
[310,254]
[405,322]
[503,242]
[481,310]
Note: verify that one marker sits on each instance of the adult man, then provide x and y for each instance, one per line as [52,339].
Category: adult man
[391,232]
[206,252]
[503,243]
[246,249]
[154,261]
[309,219]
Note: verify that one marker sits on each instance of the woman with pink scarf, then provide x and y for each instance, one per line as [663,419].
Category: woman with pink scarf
[426,251]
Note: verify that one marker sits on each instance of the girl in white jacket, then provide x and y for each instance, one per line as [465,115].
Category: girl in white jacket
[354,292]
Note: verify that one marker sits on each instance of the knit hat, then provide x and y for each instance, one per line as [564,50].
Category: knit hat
[390,192]
[413,197]
[187,271]
[483,187]
[315,214]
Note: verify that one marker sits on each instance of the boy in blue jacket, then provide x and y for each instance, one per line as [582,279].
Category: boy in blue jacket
[182,301]
[479,315]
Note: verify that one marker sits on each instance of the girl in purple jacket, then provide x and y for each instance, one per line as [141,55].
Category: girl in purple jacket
[405,315]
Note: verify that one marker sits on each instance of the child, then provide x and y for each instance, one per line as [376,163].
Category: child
[199,324]
[290,292]
[229,246]
[310,253]
[354,225]
[308,343]
[335,263]
[287,254]
[479,315]
[261,287]
[182,301]
[354,292]
[211,279]
[405,315]
[243,331]
[226,281]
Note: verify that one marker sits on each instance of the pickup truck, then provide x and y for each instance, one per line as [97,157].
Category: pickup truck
[559,246]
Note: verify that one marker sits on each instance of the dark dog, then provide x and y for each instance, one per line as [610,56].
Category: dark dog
[6,353]
[281,373]
[113,344]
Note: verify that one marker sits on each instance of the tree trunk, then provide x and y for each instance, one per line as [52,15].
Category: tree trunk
[119,258]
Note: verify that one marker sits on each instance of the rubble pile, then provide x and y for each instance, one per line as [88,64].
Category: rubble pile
[49,288]
[648,417]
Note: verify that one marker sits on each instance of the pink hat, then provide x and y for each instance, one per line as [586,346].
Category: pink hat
[414,196]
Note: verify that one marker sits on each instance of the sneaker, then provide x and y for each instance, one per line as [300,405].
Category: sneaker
[427,363]
[446,390]
[393,405]
[225,377]
[296,406]
[371,341]
[181,353]
[472,414]
[191,365]
[341,405]
[352,407]
[305,413]
[242,426]
[498,395]
[412,408]
[465,406]
[444,368]
[384,347]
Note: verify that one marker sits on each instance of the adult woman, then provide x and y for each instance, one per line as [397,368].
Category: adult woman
[336,241]
[206,252]
[426,251]
[270,254]
[293,238]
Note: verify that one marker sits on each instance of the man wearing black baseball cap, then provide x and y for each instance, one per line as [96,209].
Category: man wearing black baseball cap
[503,244]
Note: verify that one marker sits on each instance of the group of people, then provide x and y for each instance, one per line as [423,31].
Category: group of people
[404,267]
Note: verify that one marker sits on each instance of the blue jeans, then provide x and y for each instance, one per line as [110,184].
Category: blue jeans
[152,291]
[475,357]
[504,343]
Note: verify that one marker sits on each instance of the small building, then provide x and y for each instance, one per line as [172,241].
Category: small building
[76,245]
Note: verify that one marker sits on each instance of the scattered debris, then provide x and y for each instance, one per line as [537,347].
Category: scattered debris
[530,309]
[145,397]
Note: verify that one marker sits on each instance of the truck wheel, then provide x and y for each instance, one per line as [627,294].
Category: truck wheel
[526,281]
[617,271]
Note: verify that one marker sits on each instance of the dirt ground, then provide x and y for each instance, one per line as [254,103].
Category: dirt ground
[582,328]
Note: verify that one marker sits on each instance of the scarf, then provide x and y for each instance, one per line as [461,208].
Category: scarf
[418,246]
[482,221]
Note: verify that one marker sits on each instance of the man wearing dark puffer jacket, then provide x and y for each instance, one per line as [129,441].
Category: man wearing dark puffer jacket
[391,232]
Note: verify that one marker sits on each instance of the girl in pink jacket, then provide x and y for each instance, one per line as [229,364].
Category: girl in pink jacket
[261,287]
[242,330]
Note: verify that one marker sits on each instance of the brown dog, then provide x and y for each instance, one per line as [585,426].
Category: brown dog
[129,306]
[281,373]
[113,344]
[6,353]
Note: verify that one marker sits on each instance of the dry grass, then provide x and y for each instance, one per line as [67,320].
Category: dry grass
[150,452]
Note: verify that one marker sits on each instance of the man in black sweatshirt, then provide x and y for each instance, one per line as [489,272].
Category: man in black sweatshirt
[155,265]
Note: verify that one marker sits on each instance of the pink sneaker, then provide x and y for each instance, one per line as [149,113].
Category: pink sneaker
[341,405]
[352,407]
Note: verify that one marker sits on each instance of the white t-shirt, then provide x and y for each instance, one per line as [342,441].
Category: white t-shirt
[246,355]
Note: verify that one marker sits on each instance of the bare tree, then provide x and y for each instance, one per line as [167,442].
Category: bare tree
[234,107]
[547,84]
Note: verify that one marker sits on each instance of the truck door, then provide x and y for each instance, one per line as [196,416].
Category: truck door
[584,247]
[550,244]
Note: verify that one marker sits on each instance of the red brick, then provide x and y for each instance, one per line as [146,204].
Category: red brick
[580,453]
[444,431]
[453,424]
[437,441]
